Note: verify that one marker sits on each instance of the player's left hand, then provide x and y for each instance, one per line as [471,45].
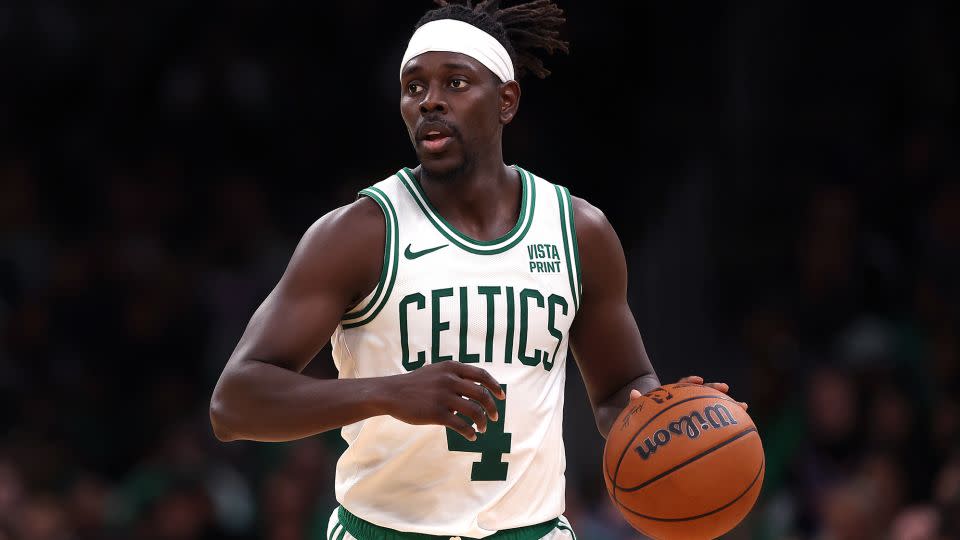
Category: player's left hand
[696,379]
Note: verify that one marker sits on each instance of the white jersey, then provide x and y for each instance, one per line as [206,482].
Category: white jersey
[504,305]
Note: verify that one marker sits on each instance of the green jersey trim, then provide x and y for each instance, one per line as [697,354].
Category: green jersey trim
[360,528]
[563,527]
[388,276]
[334,535]
[569,233]
[574,241]
[478,247]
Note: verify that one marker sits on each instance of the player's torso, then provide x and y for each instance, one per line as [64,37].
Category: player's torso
[505,305]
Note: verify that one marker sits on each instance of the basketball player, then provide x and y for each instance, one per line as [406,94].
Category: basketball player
[452,292]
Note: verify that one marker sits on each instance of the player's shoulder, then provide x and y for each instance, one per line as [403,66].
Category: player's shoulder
[589,219]
[363,217]
[586,216]
[601,256]
[345,246]
[356,219]
[354,229]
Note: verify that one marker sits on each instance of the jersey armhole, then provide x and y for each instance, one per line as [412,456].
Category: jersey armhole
[369,307]
[571,247]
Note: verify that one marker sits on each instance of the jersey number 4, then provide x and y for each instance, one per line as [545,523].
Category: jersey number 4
[491,446]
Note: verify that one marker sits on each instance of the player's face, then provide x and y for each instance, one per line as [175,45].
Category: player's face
[451,105]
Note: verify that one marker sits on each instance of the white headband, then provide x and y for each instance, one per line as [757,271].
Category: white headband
[450,35]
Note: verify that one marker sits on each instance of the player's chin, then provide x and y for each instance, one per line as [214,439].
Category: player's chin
[440,165]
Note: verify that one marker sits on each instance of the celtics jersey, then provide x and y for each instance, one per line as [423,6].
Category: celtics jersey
[504,305]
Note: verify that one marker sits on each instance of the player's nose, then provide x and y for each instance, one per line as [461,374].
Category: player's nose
[433,102]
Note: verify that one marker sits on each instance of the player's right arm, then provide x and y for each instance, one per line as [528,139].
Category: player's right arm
[262,395]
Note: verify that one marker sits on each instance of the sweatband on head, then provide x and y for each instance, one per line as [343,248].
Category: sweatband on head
[450,35]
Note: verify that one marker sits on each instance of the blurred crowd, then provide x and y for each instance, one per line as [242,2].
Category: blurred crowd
[157,166]
[870,444]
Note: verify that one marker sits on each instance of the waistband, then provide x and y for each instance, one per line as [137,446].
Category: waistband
[364,530]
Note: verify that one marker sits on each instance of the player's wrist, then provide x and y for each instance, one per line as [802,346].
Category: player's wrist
[379,394]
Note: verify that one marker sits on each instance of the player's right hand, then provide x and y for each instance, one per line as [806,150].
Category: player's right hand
[435,392]
[696,379]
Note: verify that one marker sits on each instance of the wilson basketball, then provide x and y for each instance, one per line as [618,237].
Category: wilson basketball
[684,462]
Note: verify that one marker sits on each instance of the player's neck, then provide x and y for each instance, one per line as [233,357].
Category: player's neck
[483,202]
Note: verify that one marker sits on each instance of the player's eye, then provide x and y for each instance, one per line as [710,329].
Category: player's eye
[459,84]
[414,88]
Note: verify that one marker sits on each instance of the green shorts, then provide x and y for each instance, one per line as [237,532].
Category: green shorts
[345,526]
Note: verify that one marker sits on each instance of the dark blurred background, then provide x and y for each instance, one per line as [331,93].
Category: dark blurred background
[783,175]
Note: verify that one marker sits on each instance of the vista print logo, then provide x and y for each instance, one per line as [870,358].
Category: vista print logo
[692,425]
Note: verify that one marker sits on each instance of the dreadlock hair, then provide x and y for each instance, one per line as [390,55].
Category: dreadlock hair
[520,29]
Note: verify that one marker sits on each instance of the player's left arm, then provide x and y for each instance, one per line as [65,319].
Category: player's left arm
[604,338]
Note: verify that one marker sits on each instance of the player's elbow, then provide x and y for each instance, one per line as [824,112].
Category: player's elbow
[602,428]
[219,419]
[604,418]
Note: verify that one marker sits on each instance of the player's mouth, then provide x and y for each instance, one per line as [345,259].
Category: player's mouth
[434,137]
[435,142]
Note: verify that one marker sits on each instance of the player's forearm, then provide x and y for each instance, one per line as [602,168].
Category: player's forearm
[608,410]
[263,402]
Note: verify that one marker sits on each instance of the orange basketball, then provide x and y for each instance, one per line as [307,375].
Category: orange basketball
[683,462]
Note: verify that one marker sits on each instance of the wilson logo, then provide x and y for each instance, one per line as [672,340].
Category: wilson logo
[691,426]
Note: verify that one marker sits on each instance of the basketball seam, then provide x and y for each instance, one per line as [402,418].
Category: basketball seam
[626,448]
[634,525]
[691,518]
[679,466]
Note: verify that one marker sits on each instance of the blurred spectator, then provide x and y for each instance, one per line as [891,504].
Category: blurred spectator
[848,513]
[86,506]
[11,491]
[827,459]
[916,523]
[42,518]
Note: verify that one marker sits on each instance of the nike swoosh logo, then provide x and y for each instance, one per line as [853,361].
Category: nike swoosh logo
[417,254]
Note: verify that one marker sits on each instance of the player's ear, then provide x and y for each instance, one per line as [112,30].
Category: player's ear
[509,101]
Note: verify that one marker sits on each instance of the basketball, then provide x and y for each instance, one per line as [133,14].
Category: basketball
[684,462]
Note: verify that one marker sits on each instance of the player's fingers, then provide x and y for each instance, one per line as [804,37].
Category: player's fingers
[459,425]
[471,410]
[692,379]
[635,394]
[483,377]
[719,386]
[744,405]
[482,396]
